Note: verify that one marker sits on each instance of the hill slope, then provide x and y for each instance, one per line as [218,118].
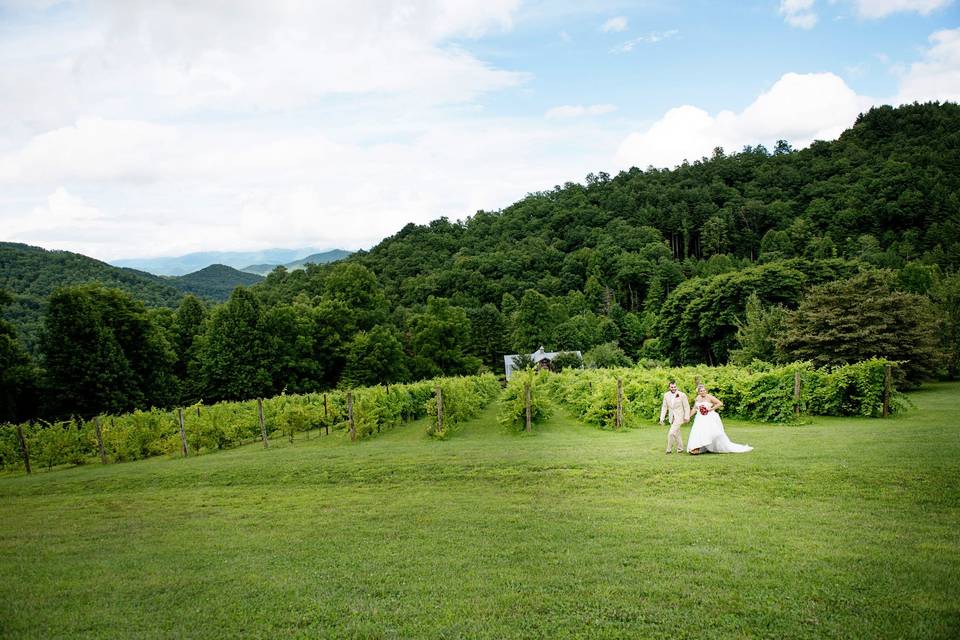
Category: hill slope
[31,274]
[214,282]
[887,191]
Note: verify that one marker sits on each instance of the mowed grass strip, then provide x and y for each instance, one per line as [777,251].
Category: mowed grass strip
[842,528]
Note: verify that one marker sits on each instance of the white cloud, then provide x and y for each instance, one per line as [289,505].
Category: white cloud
[229,187]
[873,9]
[92,149]
[937,76]
[798,13]
[132,128]
[799,108]
[60,219]
[117,58]
[576,111]
[616,24]
[137,130]
[648,38]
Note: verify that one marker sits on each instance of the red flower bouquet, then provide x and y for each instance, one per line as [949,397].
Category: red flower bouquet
[703,410]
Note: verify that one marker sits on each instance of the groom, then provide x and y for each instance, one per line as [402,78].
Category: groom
[675,401]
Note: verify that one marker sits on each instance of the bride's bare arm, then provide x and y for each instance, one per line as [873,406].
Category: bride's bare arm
[715,402]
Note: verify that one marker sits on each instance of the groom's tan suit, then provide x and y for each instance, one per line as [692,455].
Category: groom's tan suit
[677,404]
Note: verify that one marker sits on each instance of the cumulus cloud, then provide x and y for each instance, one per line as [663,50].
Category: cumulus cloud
[616,24]
[129,128]
[237,188]
[92,149]
[798,13]
[61,217]
[115,58]
[799,108]
[576,111]
[937,75]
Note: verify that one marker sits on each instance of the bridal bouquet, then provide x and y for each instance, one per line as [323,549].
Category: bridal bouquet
[703,410]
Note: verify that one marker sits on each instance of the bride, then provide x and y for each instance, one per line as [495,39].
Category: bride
[707,432]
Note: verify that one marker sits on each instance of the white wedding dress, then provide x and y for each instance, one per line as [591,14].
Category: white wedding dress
[707,434]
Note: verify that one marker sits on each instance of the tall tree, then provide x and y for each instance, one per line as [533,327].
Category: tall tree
[863,317]
[188,324]
[700,318]
[946,295]
[488,335]
[235,358]
[375,357]
[18,375]
[533,322]
[441,336]
[757,333]
[101,352]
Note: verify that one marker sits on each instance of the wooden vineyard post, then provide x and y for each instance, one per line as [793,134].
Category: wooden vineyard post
[619,419]
[23,448]
[796,395]
[103,452]
[353,425]
[326,420]
[887,388]
[528,401]
[183,434]
[439,410]
[263,424]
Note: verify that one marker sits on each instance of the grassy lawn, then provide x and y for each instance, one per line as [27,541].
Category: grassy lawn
[842,528]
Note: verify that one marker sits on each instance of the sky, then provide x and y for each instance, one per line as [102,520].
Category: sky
[144,128]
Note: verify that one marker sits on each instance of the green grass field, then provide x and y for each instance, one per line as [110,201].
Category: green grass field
[842,528]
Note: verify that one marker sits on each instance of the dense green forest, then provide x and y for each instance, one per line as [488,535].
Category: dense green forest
[214,283]
[31,274]
[835,253]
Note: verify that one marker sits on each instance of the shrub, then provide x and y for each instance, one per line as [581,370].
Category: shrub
[760,392]
[463,398]
[513,405]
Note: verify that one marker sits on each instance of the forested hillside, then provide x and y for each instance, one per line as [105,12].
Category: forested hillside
[834,253]
[887,192]
[214,282]
[31,274]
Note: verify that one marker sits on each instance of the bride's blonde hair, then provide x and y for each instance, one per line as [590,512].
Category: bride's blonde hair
[701,387]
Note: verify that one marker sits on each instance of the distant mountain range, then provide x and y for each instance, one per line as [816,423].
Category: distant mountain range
[259,262]
[316,258]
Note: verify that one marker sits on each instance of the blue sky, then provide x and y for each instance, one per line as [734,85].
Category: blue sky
[135,128]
